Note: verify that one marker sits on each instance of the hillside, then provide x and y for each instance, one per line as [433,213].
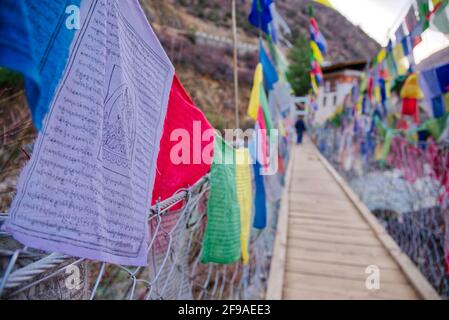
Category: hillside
[206,68]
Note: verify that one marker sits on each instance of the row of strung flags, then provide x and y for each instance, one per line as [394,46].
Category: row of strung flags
[118,133]
[318,47]
[396,104]
[394,68]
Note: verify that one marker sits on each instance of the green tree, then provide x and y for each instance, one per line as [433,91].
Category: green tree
[298,73]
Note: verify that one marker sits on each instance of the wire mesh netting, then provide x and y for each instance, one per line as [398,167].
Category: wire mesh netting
[407,192]
[174,269]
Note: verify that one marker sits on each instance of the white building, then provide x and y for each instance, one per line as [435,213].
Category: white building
[337,84]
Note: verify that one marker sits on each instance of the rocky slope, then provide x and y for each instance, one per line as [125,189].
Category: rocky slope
[206,69]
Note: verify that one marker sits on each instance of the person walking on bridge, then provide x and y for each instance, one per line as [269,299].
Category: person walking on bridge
[300,129]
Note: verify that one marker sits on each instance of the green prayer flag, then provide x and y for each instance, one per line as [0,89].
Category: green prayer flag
[436,126]
[387,146]
[221,243]
[440,20]
[266,109]
[424,10]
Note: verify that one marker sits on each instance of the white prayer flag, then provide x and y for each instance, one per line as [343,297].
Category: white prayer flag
[87,190]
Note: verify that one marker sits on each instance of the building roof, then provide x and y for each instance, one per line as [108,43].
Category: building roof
[439,58]
[351,65]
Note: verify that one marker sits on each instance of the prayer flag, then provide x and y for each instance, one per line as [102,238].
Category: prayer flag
[35,41]
[186,147]
[411,89]
[399,34]
[317,36]
[221,242]
[245,197]
[260,15]
[87,189]
[254,101]
[326,3]
[410,20]
[423,10]
[270,75]
[438,107]
[440,20]
[398,53]
[415,34]
[442,74]
[260,205]
[432,83]
[316,52]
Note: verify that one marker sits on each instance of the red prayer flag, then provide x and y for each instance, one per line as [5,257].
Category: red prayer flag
[262,139]
[410,108]
[193,142]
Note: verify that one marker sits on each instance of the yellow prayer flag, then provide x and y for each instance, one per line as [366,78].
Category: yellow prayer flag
[378,153]
[314,84]
[377,94]
[254,101]
[282,130]
[411,89]
[316,52]
[398,54]
[245,198]
[359,104]
[326,3]
[382,55]
[388,88]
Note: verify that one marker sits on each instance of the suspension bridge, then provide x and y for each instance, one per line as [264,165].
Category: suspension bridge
[328,242]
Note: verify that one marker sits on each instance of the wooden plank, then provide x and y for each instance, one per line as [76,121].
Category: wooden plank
[308,293]
[420,284]
[323,212]
[365,240]
[332,230]
[314,222]
[300,281]
[341,203]
[314,208]
[302,203]
[342,271]
[336,247]
[321,217]
[276,278]
[383,260]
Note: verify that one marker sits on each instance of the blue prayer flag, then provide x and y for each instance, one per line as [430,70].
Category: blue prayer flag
[35,40]
[260,15]
[260,205]
[443,77]
[438,107]
[269,71]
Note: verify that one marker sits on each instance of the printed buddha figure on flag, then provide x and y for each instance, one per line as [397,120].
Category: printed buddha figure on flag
[119,125]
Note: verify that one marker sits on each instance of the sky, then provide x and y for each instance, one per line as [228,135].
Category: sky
[380,18]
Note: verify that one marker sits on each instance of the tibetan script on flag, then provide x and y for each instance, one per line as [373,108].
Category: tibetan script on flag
[87,189]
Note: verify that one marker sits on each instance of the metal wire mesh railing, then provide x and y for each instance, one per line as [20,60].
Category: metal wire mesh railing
[407,191]
[174,269]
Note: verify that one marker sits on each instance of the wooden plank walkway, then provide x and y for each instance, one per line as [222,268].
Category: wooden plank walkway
[326,239]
